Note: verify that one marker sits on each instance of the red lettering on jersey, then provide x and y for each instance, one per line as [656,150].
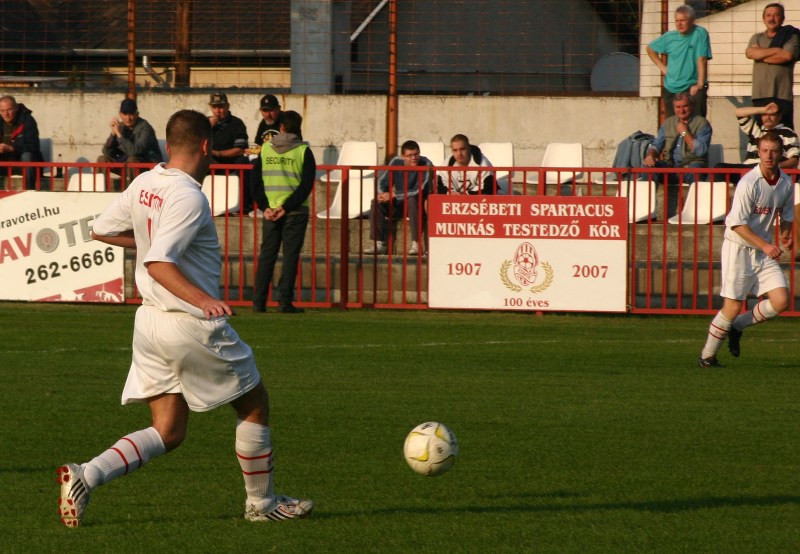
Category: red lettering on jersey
[762,210]
[147,198]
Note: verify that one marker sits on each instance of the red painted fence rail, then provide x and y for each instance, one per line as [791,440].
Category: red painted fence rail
[676,219]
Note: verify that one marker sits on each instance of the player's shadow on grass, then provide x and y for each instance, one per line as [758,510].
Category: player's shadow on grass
[663,506]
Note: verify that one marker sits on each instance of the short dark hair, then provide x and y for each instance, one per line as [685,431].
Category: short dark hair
[773,137]
[292,122]
[460,138]
[774,5]
[409,145]
[187,129]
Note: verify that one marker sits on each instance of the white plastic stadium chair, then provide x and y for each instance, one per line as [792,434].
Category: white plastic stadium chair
[559,154]
[362,183]
[434,151]
[500,154]
[641,199]
[705,202]
[93,182]
[222,192]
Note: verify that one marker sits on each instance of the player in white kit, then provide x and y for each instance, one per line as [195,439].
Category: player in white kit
[185,354]
[749,259]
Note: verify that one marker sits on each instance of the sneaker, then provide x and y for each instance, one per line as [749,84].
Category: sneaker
[282,507]
[379,248]
[414,250]
[734,336]
[74,494]
[705,363]
[290,309]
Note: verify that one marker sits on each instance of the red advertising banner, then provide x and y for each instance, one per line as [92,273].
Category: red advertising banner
[47,253]
[528,253]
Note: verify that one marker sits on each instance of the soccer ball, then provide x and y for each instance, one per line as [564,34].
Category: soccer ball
[430,448]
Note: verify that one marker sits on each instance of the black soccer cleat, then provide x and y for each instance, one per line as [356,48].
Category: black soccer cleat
[734,336]
[706,363]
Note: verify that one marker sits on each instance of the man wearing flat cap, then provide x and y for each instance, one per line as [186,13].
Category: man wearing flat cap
[132,139]
[269,125]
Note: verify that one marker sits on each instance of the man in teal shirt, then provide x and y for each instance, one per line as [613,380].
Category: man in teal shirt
[688,50]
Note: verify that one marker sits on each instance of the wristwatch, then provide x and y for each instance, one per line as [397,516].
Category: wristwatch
[684,133]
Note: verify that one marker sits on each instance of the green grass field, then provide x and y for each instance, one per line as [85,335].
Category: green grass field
[577,433]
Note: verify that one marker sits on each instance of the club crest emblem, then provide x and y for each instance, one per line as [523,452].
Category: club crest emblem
[526,267]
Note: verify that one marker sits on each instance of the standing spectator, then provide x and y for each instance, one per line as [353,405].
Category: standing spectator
[749,258]
[465,181]
[774,53]
[283,178]
[269,125]
[229,140]
[132,139]
[770,121]
[688,50]
[20,137]
[683,139]
[399,194]
[186,356]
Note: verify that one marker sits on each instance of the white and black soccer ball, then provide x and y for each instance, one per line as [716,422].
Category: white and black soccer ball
[430,448]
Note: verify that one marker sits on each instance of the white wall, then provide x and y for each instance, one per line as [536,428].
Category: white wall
[79,123]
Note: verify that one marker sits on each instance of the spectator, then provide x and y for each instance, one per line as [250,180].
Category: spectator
[770,121]
[269,125]
[688,50]
[683,139]
[399,194]
[132,139]
[465,181]
[20,137]
[283,178]
[774,53]
[229,140]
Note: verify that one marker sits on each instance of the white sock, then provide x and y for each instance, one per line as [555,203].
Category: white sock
[717,332]
[128,454]
[759,314]
[254,451]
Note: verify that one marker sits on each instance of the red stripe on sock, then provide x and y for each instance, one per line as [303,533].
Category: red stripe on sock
[256,472]
[254,457]
[135,449]
[760,313]
[121,455]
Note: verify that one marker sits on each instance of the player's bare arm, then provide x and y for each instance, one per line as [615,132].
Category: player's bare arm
[124,239]
[771,250]
[171,278]
[786,234]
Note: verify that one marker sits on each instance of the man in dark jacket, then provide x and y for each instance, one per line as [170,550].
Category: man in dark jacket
[132,139]
[20,137]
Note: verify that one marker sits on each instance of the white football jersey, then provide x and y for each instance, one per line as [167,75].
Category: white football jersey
[757,204]
[171,221]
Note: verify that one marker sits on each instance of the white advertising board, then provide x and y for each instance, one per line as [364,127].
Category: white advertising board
[535,253]
[46,250]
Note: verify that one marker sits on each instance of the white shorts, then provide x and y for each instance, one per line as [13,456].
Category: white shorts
[746,269]
[205,360]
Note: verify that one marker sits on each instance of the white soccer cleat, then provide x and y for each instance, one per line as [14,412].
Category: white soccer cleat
[278,509]
[74,494]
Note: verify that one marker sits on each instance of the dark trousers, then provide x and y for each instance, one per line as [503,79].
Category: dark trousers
[30,172]
[699,101]
[786,106]
[290,230]
[380,220]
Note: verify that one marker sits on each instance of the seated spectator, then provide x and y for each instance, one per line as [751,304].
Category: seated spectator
[132,139]
[465,181]
[229,140]
[269,126]
[771,117]
[399,191]
[20,137]
[682,140]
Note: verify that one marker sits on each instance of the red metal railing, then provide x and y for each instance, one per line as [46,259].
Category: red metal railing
[673,250]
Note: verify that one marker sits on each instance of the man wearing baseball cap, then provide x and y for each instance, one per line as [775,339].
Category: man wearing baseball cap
[228,131]
[132,139]
[269,125]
